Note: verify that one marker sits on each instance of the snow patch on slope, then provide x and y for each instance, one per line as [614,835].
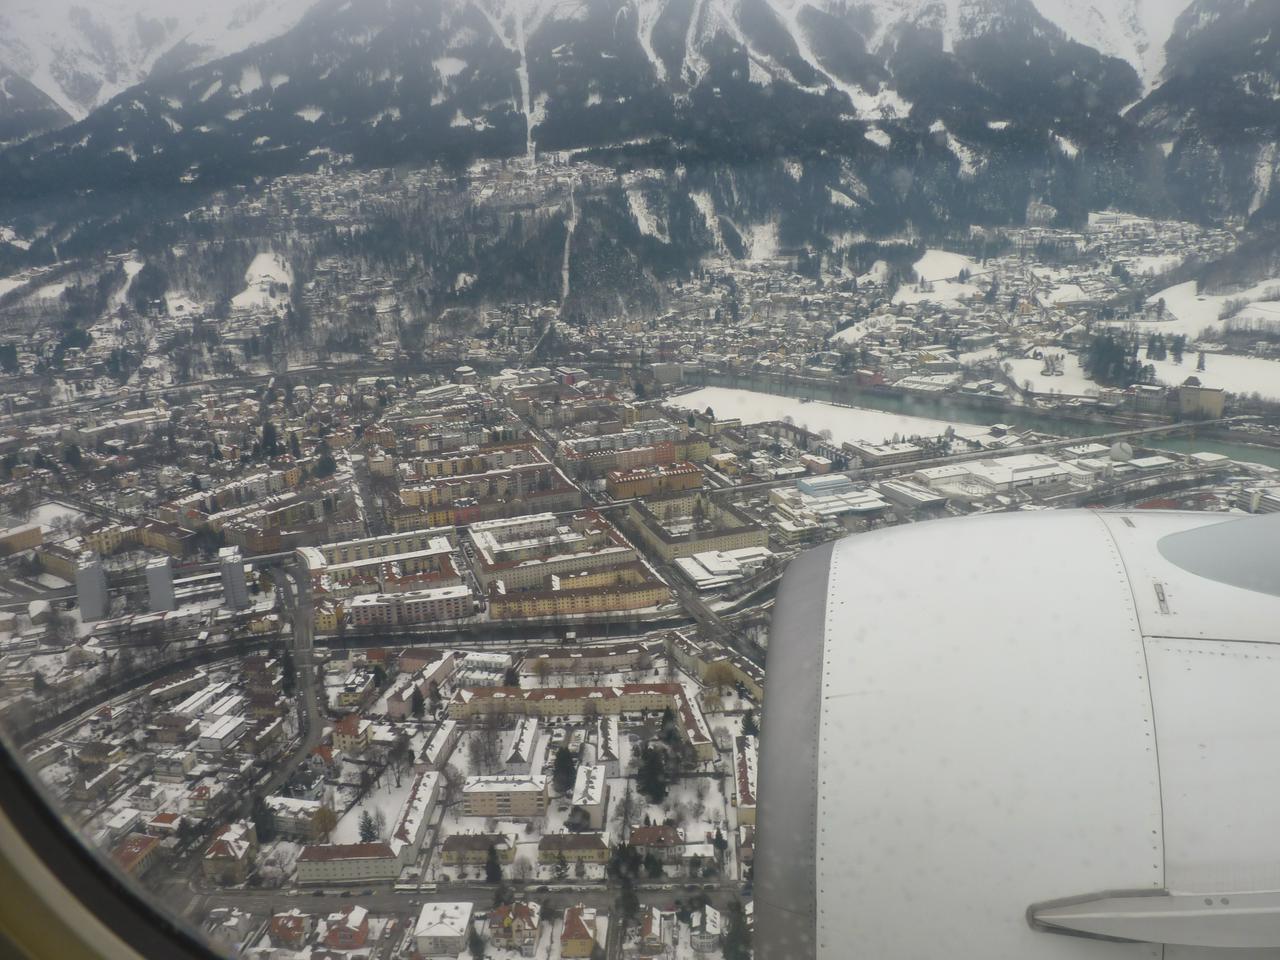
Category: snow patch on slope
[879,137]
[706,206]
[762,240]
[449,67]
[647,14]
[646,220]
[250,79]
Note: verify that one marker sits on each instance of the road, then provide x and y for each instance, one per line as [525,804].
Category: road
[383,900]
[295,592]
[713,625]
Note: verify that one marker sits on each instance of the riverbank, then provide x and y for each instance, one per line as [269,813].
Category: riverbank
[959,409]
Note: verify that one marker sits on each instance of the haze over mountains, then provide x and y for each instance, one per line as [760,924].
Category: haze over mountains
[889,113]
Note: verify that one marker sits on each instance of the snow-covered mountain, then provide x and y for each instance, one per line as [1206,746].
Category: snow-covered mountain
[1133,30]
[25,111]
[875,115]
[81,53]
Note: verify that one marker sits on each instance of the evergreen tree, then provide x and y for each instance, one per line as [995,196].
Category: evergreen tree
[749,726]
[1112,359]
[628,902]
[295,448]
[564,772]
[625,862]
[492,866]
[652,779]
[326,466]
[669,732]
[270,439]
[368,829]
[561,868]
[417,706]
[264,821]
[288,673]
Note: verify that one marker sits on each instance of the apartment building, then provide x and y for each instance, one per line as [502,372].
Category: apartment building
[341,863]
[504,795]
[523,552]
[681,524]
[404,609]
[565,702]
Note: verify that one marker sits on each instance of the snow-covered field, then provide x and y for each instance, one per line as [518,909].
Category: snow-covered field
[1234,374]
[863,327]
[845,423]
[266,269]
[940,269]
[53,512]
[1190,312]
[384,796]
[1064,293]
[1155,263]
[1073,380]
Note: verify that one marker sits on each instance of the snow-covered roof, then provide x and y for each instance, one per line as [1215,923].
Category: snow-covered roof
[589,785]
[443,920]
[1009,710]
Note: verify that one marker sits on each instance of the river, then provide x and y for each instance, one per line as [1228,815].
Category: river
[976,411]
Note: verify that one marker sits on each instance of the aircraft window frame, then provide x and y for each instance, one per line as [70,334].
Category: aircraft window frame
[143,925]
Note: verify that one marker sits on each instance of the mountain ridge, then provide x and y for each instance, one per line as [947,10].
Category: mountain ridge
[977,109]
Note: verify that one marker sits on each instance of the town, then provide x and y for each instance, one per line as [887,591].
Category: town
[378,643]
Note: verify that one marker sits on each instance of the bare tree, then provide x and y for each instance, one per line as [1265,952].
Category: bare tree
[322,823]
[719,675]
[453,784]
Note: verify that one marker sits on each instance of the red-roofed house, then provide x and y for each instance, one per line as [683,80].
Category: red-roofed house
[230,853]
[347,929]
[578,938]
[662,840]
[164,824]
[351,734]
[746,755]
[515,926]
[136,853]
[292,929]
[654,927]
